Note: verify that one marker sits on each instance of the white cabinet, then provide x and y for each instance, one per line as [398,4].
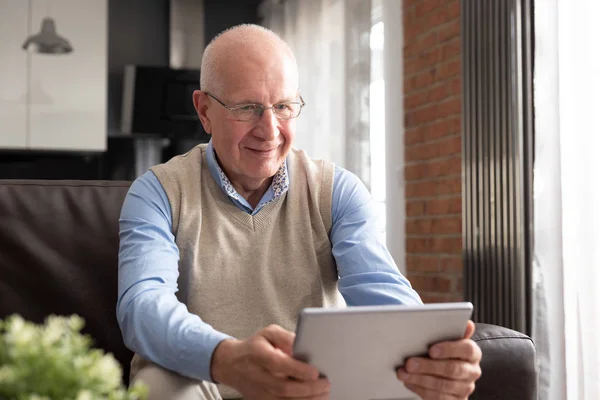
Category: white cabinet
[65,95]
[13,74]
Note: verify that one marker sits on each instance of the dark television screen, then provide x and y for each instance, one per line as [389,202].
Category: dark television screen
[158,101]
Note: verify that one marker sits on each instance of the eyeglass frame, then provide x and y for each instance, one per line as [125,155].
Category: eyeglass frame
[262,107]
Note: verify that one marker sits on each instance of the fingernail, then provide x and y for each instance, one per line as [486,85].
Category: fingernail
[435,352]
[402,375]
[412,366]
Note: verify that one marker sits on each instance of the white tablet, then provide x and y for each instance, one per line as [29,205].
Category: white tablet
[359,348]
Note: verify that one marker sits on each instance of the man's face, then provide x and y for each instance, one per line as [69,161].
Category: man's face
[252,151]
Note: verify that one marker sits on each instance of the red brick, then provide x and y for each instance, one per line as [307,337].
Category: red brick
[447,245]
[447,70]
[420,44]
[429,150]
[446,12]
[452,264]
[433,169]
[419,80]
[414,28]
[422,115]
[422,263]
[459,284]
[415,100]
[415,208]
[450,146]
[438,92]
[419,245]
[433,147]
[411,66]
[456,86]
[408,13]
[449,185]
[418,226]
[415,135]
[420,152]
[445,205]
[438,226]
[425,79]
[411,3]
[449,107]
[449,31]
[420,189]
[432,131]
[444,128]
[433,244]
[446,225]
[424,61]
[454,9]
[426,7]
[434,187]
[450,297]
[451,49]
[430,283]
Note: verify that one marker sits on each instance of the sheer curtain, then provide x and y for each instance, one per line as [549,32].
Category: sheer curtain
[330,39]
[566,199]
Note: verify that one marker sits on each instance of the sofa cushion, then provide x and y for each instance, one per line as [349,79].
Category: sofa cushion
[509,363]
[58,254]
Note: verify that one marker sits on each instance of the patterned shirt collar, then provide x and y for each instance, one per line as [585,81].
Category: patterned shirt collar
[279,185]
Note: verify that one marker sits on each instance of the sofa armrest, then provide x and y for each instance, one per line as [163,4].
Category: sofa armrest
[509,364]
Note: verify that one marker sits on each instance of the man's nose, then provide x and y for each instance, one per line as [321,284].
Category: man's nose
[267,127]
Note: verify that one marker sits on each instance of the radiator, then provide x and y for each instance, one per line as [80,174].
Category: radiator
[497,159]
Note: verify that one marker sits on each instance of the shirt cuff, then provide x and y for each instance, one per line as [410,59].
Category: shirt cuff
[199,358]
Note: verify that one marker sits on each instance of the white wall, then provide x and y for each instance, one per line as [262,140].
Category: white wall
[49,101]
[394,128]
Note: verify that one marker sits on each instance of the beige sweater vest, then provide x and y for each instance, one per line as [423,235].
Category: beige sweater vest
[240,272]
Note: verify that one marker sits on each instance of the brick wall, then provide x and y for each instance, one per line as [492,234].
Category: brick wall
[432,104]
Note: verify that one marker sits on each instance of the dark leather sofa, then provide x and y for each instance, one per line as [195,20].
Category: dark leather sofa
[58,255]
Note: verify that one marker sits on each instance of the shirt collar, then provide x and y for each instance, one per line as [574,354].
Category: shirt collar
[279,185]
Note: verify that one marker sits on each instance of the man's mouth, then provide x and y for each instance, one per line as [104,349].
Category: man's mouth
[262,151]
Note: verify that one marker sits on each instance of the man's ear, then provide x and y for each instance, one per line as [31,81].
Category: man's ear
[201,105]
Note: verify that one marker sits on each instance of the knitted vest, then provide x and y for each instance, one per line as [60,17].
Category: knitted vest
[241,273]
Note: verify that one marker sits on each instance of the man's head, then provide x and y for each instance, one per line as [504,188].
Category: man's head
[244,65]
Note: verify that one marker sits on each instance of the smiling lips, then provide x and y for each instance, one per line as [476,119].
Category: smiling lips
[261,151]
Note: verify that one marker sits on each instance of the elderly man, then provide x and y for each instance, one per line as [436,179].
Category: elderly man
[221,247]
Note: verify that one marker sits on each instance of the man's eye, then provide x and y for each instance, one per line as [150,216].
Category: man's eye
[247,108]
[283,107]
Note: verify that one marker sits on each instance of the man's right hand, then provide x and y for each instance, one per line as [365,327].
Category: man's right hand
[262,368]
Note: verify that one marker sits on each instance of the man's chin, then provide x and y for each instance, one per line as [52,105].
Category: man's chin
[266,171]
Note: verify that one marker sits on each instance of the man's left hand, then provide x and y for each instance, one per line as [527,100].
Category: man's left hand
[450,371]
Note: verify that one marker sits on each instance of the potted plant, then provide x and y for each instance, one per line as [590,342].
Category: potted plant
[55,361]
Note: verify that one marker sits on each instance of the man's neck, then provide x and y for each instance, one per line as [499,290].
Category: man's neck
[250,189]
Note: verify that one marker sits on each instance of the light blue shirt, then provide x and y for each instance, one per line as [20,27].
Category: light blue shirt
[156,325]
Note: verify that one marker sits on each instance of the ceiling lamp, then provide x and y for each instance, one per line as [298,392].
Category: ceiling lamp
[47,41]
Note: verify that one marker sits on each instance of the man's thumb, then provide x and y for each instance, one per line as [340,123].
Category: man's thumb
[280,338]
[470,330]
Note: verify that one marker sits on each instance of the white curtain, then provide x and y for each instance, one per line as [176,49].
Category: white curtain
[330,39]
[567,198]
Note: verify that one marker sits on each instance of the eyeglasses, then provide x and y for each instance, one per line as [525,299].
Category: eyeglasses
[253,112]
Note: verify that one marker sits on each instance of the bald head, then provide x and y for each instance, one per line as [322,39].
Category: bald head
[232,54]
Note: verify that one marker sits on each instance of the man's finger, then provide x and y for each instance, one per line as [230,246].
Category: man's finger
[280,364]
[450,369]
[470,330]
[464,349]
[288,388]
[458,388]
[280,338]
[429,394]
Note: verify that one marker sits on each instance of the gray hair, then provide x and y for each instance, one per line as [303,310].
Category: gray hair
[245,34]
